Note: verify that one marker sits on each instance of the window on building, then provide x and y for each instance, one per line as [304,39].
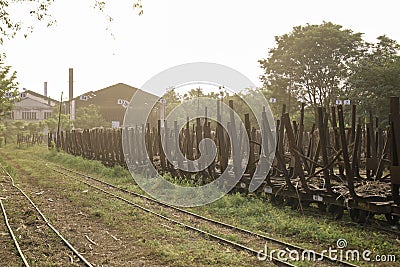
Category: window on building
[29,115]
[47,115]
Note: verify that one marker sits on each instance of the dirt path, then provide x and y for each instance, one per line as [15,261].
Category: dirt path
[110,233]
[101,244]
[8,253]
[40,245]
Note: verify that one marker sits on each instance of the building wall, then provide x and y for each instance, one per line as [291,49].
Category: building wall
[107,101]
[30,109]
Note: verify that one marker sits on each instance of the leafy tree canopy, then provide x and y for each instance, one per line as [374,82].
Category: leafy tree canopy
[311,63]
[89,117]
[172,98]
[376,78]
[8,89]
[10,24]
[52,122]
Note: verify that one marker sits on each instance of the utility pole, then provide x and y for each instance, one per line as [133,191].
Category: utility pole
[198,100]
[162,115]
[71,106]
[290,95]
[58,125]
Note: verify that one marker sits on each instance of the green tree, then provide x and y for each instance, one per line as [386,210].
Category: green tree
[312,63]
[213,95]
[3,132]
[89,117]
[172,99]
[193,93]
[10,25]
[376,78]
[8,89]
[52,122]
[12,128]
[281,99]
[35,127]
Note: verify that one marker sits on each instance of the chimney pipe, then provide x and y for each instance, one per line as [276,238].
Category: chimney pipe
[45,93]
[71,89]
[71,94]
[45,89]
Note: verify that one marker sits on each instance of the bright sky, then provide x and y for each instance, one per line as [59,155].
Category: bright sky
[172,32]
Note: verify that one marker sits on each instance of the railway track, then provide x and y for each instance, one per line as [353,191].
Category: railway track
[379,225]
[30,231]
[249,241]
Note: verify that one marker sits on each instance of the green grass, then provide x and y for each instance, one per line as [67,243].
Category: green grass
[170,246]
[248,211]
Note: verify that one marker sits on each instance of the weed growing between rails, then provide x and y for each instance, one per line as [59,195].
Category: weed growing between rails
[118,174]
[82,164]
[34,235]
[140,239]
[242,241]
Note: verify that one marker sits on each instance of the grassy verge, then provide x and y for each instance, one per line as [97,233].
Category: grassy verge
[149,238]
[251,212]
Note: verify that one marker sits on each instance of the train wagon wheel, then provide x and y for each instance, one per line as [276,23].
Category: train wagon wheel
[321,206]
[336,211]
[358,216]
[392,219]
[292,202]
[277,200]
[305,203]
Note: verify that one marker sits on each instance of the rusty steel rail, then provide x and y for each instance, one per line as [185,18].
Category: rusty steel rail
[219,223]
[186,226]
[21,254]
[79,255]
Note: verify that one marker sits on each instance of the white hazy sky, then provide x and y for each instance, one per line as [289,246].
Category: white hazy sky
[172,32]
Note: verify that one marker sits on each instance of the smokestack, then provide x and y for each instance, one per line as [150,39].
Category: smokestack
[71,89]
[71,94]
[45,89]
[45,93]
[71,83]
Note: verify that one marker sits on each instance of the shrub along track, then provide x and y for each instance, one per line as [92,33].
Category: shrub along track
[371,223]
[38,242]
[384,226]
[243,239]
[8,253]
